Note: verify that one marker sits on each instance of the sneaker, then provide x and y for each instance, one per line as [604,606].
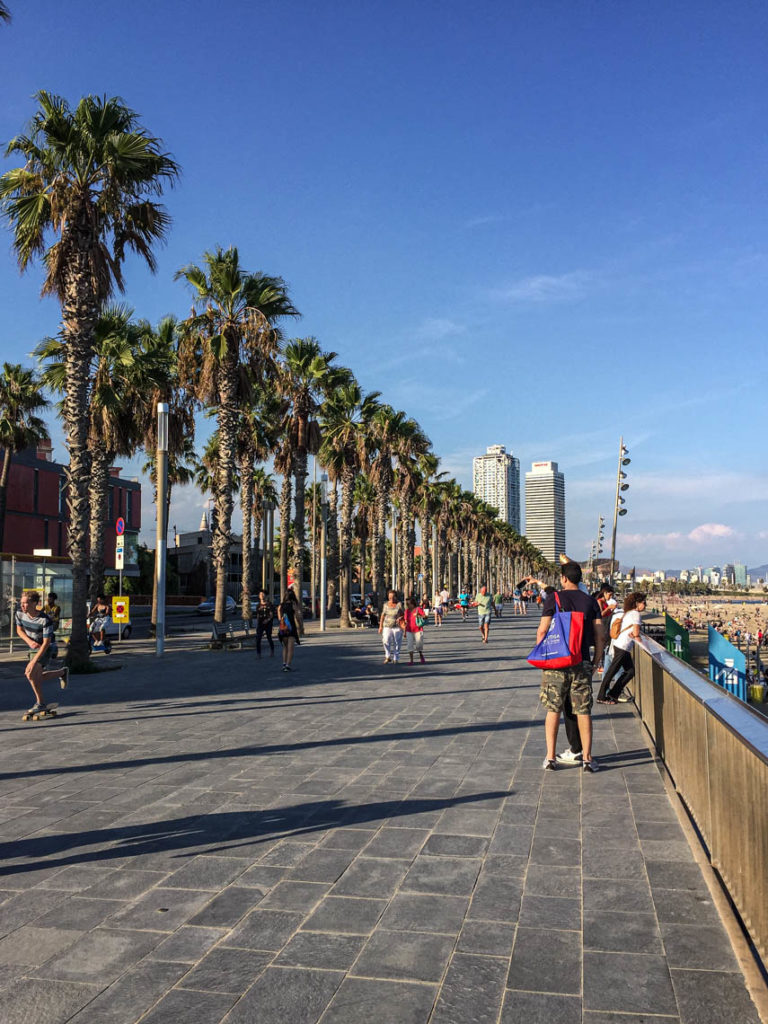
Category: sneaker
[549,765]
[285,668]
[568,757]
[591,766]
[386,661]
[625,698]
[606,700]
[64,678]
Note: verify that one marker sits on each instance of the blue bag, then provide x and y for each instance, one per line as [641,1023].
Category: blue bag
[561,647]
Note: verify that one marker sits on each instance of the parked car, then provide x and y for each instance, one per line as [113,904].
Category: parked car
[208,606]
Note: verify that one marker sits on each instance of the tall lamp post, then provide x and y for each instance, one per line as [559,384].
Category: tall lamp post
[624,460]
[323,549]
[162,525]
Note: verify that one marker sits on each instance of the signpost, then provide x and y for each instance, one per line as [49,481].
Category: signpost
[120,613]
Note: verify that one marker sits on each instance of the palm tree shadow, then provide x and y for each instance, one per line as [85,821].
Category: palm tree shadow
[212,833]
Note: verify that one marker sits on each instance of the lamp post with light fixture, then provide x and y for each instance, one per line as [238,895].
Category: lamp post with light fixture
[624,460]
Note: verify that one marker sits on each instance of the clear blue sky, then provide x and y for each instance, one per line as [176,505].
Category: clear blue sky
[541,225]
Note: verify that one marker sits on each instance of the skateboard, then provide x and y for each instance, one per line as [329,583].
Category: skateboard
[38,716]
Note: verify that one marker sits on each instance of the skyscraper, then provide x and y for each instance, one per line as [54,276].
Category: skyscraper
[545,509]
[496,480]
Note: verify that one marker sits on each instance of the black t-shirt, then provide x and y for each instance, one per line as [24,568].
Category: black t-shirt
[576,601]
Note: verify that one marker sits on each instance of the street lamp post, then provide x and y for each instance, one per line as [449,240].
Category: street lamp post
[268,567]
[394,548]
[624,460]
[162,526]
[323,551]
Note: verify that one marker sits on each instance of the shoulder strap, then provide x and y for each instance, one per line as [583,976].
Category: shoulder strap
[557,600]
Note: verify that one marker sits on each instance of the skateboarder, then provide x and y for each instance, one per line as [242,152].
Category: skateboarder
[35,628]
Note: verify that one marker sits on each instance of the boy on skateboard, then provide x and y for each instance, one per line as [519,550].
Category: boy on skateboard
[35,628]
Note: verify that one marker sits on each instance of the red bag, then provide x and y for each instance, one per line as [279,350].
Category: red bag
[561,647]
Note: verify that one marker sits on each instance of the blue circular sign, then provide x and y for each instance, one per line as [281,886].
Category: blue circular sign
[120,527]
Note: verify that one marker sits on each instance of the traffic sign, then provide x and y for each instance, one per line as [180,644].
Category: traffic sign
[120,609]
[120,527]
[120,553]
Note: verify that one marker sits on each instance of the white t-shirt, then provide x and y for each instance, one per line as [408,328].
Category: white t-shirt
[444,595]
[625,639]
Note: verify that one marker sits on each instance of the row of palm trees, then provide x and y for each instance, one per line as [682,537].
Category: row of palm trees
[86,195]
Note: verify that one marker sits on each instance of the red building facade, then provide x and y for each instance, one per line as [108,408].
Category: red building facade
[37,513]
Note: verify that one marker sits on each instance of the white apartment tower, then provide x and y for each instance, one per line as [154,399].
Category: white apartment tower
[496,480]
[545,509]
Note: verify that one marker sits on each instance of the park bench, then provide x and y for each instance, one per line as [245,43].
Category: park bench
[231,634]
[356,623]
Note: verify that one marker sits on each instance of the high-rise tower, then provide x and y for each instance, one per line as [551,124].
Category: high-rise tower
[496,480]
[545,509]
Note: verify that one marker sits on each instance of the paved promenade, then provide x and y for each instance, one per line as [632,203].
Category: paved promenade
[207,839]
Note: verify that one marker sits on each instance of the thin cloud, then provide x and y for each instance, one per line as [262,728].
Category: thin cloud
[543,289]
[699,536]
[437,328]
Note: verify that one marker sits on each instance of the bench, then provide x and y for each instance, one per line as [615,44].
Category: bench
[357,623]
[231,634]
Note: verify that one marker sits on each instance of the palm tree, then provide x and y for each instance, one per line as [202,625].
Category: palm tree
[365,502]
[121,373]
[413,463]
[232,327]
[87,182]
[306,375]
[347,415]
[21,396]
[263,491]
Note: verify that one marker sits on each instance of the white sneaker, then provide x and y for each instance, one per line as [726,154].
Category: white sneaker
[568,757]
[624,698]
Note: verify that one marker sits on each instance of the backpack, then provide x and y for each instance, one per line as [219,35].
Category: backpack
[615,629]
[561,647]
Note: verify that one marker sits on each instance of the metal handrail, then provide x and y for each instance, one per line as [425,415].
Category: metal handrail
[715,748]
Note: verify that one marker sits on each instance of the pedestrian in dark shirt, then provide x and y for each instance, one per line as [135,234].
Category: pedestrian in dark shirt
[265,617]
[35,628]
[576,681]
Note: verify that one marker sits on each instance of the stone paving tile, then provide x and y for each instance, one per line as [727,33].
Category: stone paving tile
[546,961]
[472,990]
[710,997]
[353,846]
[540,1008]
[404,956]
[285,994]
[43,1000]
[380,1002]
[132,995]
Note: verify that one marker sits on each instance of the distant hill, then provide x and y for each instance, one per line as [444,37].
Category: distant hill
[761,571]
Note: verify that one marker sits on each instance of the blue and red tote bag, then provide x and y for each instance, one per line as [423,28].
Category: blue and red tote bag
[561,647]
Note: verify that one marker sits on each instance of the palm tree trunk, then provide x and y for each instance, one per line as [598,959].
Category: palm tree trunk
[380,553]
[98,499]
[246,504]
[285,529]
[225,476]
[299,525]
[332,549]
[363,548]
[80,310]
[4,474]
[345,541]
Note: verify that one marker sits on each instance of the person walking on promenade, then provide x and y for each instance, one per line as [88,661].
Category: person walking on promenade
[53,611]
[445,598]
[35,628]
[484,604]
[288,628]
[438,608]
[517,598]
[464,604]
[629,631]
[575,681]
[498,604]
[414,629]
[391,628]
[265,617]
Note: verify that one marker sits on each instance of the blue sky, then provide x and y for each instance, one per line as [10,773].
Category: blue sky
[541,225]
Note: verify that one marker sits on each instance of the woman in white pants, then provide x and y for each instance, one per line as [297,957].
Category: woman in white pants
[391,627]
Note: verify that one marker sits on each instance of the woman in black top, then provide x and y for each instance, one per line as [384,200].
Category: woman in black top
[265,616]
[287,628]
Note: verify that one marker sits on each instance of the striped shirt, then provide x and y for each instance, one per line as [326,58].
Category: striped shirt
[38,629]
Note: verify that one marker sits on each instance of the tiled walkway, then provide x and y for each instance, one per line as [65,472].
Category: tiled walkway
[208,839]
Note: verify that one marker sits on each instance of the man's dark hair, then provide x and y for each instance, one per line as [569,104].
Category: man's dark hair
[606,589]
[572,572]
[53,597]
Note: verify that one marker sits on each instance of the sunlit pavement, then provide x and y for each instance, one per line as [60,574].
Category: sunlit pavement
[205,838]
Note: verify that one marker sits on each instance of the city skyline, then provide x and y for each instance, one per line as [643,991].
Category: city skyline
[541,184]
[496,480]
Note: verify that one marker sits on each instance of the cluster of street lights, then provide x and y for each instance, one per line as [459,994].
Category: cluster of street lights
[621,486]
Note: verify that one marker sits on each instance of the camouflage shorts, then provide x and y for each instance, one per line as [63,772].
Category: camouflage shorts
[556,684]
